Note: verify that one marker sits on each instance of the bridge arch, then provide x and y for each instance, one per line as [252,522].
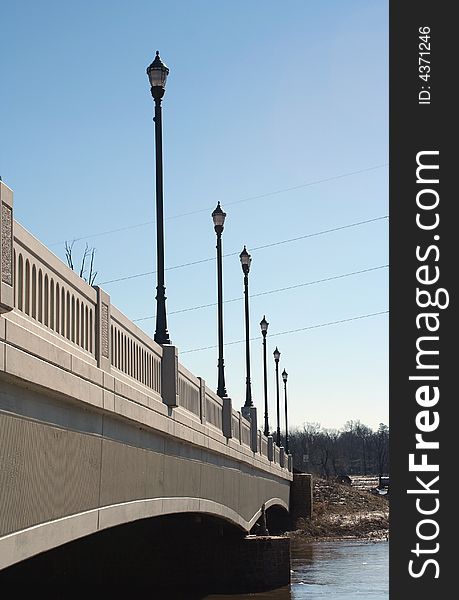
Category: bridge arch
[40,538]
[163,554]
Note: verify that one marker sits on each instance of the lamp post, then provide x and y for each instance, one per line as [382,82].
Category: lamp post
[246,259]
[264,330]
[157,74]
[276,360]
[218,217]
[284,378]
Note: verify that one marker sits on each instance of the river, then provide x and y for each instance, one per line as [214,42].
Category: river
[342,570]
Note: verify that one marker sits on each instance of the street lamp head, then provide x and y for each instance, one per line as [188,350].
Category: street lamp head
[246,259]
[276,354]
[157,74]
[218,217]
[284,376]
[264,326]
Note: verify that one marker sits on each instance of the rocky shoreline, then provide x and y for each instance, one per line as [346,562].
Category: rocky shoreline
[341,512]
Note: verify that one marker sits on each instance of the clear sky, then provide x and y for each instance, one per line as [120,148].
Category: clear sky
[277,110]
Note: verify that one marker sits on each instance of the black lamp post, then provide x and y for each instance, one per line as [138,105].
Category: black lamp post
[246,259]
[276,360]
[284,378]
[264,330]
[218,217]
[157,74]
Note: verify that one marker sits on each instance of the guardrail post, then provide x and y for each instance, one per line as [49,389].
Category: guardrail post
[270,448]
[103,350]
[282,456]
[6,249]
[202,400]
[227,417]
[253,429]
[169,375]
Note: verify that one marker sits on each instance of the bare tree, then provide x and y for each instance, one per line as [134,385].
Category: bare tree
[381,441]
[87,253]
[333,436]
[354,449]
[68,253]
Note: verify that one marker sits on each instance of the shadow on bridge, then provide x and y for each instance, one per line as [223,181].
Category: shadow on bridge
[181,556]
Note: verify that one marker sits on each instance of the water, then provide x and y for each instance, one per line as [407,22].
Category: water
[342,570]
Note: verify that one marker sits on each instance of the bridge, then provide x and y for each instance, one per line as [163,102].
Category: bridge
[101,427]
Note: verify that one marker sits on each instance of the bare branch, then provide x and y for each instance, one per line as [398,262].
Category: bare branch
[86,253]
[83,260]
[68,253]
[92,275]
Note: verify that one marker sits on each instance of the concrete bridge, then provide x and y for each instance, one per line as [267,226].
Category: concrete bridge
[100,426]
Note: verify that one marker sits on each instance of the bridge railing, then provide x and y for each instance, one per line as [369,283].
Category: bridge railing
[245,431]
[236,425]
[133,352]
[46,292]
[214,409]
[52,295]
[196,398]
[190,391]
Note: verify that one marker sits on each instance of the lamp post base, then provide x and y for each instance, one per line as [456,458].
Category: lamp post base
[161,333]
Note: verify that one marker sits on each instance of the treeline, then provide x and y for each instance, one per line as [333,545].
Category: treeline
[353,450]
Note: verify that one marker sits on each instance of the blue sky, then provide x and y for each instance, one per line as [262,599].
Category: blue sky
[278,111]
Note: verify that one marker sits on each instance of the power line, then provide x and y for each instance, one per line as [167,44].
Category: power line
[201,210]
[309,235]
[283,289]
[383,312]
[303,185]
[295,239]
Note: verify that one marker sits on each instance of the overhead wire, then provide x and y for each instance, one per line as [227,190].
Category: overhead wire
[201,210]
[270,245]
[283,289]
[309,327]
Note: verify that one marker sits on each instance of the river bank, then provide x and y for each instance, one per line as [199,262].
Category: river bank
[342,512]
